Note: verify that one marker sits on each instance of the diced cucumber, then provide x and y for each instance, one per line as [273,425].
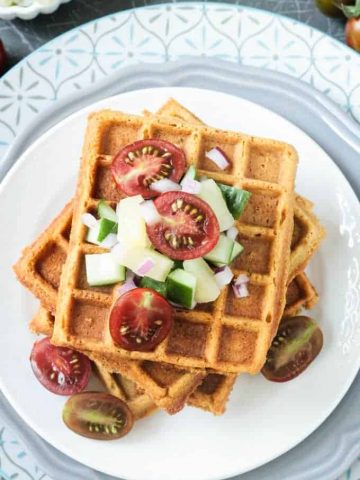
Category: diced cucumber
[132,228]
[159,287]
[206,287]
[105,227]
[222,251]
[212,195]
[133,256]
[92,237]
[101,269]
[235,198]
[190,174]
[238,248]
[105,211]
[181,287]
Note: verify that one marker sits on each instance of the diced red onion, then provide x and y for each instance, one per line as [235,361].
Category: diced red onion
[145,267]
[240,286]
[241,279]
[241,290]
[89,220]
[232,233]
[223,276]
[129,275]
[190,186]
[149,212]
[217,156]
[126,287]
[164,185]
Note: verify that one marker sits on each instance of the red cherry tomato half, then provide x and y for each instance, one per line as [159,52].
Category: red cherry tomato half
[188,227]
[298,341]
[352,33]
[61,370]
[142,163]
[140,320]
[97,415]
[3,57]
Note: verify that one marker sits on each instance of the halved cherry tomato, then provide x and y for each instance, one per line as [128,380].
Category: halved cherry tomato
[140,320]
[61,370]
[188,227]
[98,415]
[352,32]
[2,56]
[298,341]
[142,163]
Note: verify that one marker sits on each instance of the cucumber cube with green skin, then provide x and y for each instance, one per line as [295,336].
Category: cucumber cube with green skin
[207,289]
[211,194]
[101,269]
[181,287]
[92,237]
[238,248]
[160,287]
[236,199]
[105,227]
[105,211]
[222,251]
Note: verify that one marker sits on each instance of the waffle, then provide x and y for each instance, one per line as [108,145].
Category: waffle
[308,232]
[307,236]
[231,335]
[300,294]
[211,395]
[40,261]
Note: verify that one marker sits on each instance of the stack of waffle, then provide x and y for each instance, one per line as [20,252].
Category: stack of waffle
[209,346]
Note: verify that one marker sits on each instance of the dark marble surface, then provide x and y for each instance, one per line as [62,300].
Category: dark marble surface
[22,37]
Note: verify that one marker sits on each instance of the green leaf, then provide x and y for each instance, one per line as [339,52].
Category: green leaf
[235,198]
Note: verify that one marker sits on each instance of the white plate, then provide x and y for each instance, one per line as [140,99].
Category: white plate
[263,419]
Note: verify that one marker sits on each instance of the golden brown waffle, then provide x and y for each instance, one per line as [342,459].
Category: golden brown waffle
[211,394]
[34,274]
[40,265]
[137,400]
[307,236]
[231,335]
[300,294]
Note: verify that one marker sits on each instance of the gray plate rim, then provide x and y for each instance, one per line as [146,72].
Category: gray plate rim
[312,111]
